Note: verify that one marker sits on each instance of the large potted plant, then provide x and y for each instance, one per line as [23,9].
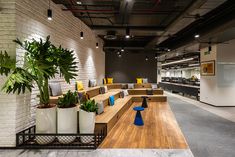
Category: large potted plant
[87,119]
[67,116]
[42,61]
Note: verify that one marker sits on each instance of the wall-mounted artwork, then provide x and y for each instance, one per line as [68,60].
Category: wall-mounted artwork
[208,68]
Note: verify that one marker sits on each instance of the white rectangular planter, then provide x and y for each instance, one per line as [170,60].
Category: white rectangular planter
[67,123]
[45,124]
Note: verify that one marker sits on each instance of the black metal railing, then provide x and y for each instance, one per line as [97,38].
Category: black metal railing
[29,139]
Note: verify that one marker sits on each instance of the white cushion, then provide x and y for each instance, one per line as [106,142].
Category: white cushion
[92,83]
[145,80]
[105,89]
[154,86]
[55,89]
[125,92]
[130,86]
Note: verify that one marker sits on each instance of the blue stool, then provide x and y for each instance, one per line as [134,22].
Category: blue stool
[138,118]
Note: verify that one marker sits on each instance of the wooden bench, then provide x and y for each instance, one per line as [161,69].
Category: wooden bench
[105,97]
[91,91]
[143,91]
[113,113]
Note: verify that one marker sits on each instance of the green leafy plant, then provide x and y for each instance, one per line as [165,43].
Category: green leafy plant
[89,106]
[70,99]
[42,60]
[6,63]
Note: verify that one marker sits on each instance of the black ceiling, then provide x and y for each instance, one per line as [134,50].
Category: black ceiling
[145,18]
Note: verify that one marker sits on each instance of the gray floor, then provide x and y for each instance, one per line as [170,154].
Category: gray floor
[207,134]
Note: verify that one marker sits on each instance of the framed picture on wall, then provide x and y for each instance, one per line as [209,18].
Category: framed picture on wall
[208,68]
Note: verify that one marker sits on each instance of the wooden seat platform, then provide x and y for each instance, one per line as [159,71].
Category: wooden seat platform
[160,130]
[143,91]
[105,97]
[155,98]
[113,113]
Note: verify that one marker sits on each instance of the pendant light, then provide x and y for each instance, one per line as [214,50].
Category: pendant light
[81,35]
[155,56]
[97,45]
[49,12]
[146,58]
[127,33]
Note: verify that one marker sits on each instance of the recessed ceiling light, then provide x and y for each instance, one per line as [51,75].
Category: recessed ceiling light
[168,50]
[79,2]
[122,49]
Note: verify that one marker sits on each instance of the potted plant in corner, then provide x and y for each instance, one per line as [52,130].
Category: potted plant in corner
[42,60]
[67,116]
[87,114]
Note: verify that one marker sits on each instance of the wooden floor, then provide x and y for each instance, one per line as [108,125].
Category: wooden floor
[160,130]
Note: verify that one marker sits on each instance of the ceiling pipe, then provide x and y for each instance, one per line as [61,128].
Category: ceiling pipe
[195,4]
[83,10]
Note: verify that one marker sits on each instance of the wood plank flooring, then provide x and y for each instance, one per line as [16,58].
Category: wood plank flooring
[160,130]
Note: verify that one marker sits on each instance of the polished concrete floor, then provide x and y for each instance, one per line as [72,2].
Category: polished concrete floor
[209,131]
[98,153]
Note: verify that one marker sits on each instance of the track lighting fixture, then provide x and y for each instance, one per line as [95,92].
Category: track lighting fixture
[97,45]
[81,35]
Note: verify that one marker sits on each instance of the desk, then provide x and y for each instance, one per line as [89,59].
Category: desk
[181,88]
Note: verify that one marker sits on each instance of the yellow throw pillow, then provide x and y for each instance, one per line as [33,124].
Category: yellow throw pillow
[79,85]
[139,80]
[110,80]
[104,81]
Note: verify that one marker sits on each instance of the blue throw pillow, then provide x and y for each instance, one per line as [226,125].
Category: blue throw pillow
[111,100]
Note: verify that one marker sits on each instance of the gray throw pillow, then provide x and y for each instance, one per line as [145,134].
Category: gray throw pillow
[130,86]
[154,86]
[102,90]
[145,80]
[100,106]
[55,89]
[124,86]
[92,83]
[121,94]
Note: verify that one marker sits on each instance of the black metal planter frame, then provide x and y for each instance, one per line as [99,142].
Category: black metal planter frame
[26,139]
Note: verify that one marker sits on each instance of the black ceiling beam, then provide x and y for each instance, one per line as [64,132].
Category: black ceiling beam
[212,20]
[156,28]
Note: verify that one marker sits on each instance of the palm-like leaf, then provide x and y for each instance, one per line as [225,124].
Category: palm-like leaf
[42,61]
[18,81]
[6,63]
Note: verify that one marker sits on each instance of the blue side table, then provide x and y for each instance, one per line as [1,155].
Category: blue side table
[138,118]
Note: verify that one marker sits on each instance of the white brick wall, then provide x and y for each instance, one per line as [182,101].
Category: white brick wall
[27,19]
